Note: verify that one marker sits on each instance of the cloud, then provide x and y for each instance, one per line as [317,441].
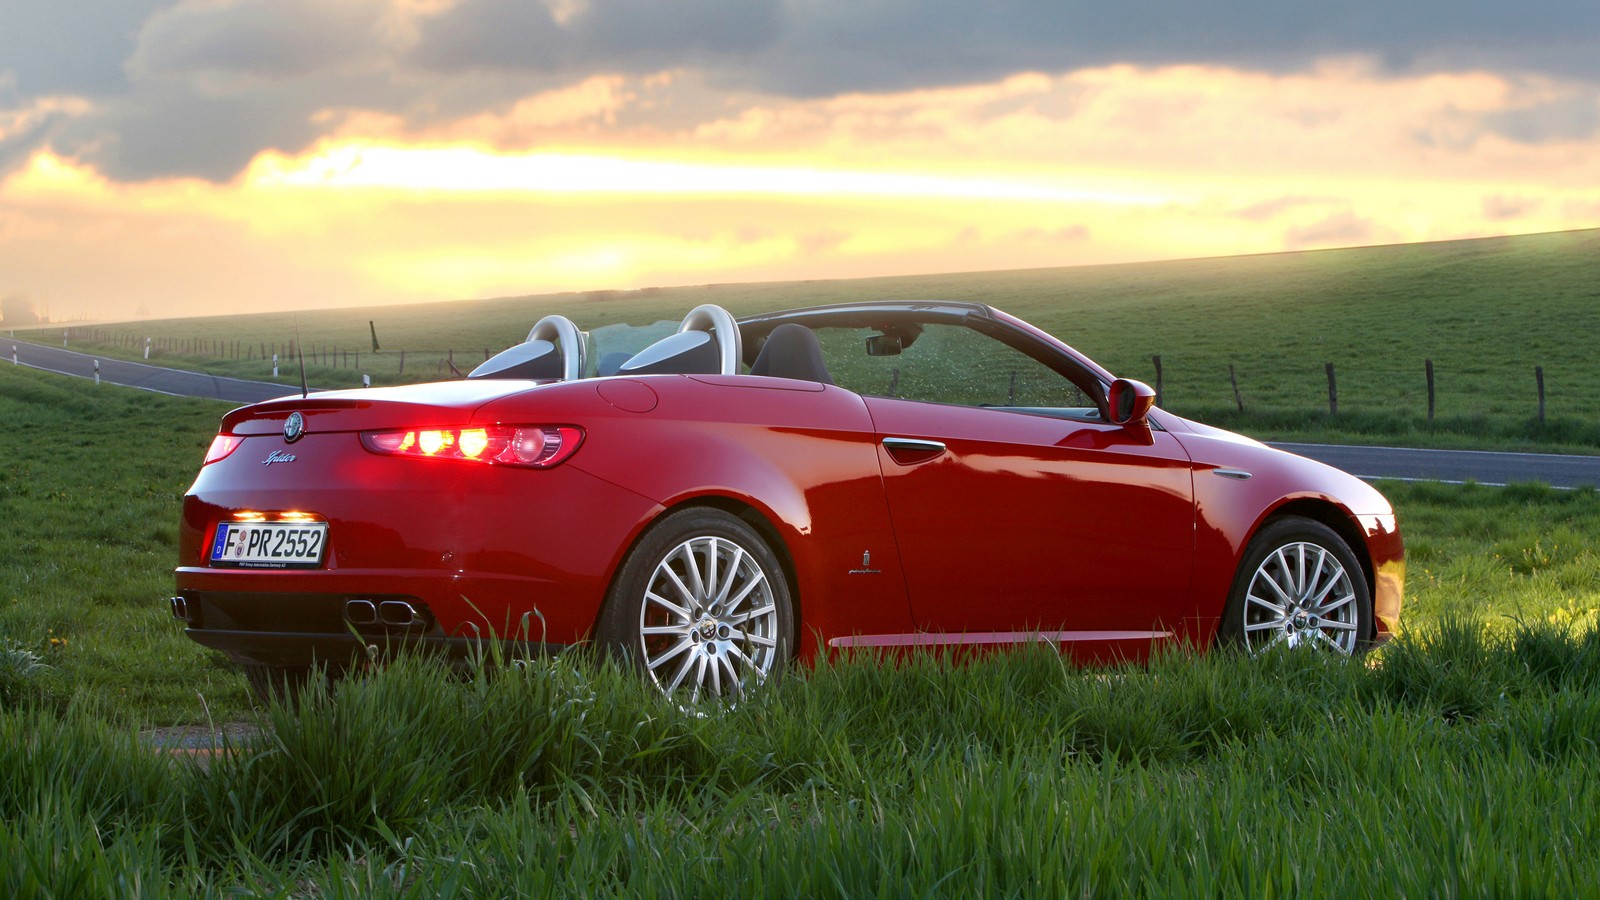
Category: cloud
[1340,229]
[1570,118]
[596,36]
[199,86]
[269,39]
[1500,208]
[70,46]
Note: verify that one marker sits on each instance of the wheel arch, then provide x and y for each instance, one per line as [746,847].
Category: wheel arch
[1327,513]
[737,507]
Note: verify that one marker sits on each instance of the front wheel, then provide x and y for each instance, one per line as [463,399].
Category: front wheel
[1299,586]
[701,607]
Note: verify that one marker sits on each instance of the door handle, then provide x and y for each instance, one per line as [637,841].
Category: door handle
[912,450]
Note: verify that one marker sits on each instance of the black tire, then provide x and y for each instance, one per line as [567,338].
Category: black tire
[1298,585]
[693,627]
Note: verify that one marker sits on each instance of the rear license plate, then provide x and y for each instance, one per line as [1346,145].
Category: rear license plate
[269,545]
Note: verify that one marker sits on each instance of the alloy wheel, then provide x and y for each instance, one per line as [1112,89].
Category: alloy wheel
[709,622]
[1301,597]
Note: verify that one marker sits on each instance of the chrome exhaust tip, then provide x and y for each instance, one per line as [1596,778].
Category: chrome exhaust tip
[180,608]
[360,612]
[398,613]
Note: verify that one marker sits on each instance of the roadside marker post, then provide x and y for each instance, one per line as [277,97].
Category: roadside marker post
[366,381]
[97,371]
[13,354]
[146,348]
[274,365]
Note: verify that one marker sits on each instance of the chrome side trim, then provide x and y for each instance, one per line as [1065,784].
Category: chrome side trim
[1238,474]
[965,638]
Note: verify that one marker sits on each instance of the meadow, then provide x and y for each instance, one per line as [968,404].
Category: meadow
[1459,760]
[1486,312]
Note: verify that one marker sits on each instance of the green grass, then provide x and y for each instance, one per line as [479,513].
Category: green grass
[1464,765]
[1485,311]
[89,496]
[1462,761]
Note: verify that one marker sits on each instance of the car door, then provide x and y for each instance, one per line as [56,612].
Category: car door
[1013,522]
[1016,507]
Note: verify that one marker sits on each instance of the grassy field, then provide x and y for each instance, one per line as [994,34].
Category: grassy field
[1486,312]
[1465,765]
[1460,762]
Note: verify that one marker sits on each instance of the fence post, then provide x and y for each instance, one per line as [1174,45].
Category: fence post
[1428,364]
[402,362]
[1538,375]
[1333,391]
[1157,360]
[1234,380]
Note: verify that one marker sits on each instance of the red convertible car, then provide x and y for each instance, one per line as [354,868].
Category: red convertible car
[740,493]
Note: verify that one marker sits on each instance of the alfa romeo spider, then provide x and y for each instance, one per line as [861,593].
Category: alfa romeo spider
[734,495]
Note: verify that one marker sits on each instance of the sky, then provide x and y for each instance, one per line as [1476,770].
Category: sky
[224,156]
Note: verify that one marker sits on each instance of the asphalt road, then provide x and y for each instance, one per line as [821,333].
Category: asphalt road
[140,375]
[1484,467]
[1556,470]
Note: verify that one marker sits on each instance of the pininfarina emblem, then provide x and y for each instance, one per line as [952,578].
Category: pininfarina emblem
[294,427]
[866,565]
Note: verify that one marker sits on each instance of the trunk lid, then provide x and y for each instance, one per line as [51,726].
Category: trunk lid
[443,404]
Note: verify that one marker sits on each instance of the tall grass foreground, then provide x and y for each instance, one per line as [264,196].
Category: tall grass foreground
[1461,761]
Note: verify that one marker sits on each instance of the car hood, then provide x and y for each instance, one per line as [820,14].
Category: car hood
[1210,447]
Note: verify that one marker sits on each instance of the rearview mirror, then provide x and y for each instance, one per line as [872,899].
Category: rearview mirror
[1129,401]
[885,345]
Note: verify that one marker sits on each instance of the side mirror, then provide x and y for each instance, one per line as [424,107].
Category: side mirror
[1129,401]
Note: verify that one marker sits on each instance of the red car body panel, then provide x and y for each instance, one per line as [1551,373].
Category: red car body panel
[1103,539]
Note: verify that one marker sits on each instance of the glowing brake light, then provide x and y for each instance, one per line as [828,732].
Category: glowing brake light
[221,446]
[533,446]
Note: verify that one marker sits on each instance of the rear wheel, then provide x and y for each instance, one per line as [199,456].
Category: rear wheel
[701,607]
[1299,586]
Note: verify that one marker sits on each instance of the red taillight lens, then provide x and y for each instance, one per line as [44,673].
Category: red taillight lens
[221,446]
[533,446]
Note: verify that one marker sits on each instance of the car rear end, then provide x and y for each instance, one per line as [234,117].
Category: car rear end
[331,527]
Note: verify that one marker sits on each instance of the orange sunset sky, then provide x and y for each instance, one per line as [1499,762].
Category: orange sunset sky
[215,156]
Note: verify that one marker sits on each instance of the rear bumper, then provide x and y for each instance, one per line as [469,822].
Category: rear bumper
[338,629]
[293,648]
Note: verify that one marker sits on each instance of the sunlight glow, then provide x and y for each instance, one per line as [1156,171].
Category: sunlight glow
[474,170]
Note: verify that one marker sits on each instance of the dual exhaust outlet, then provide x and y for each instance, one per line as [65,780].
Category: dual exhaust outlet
[394,613]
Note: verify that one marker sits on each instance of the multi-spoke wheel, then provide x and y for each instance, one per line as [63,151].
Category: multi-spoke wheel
[701,607]
[1299,586]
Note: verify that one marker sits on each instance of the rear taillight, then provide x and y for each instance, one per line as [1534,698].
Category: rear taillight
[221,446]
[534,446]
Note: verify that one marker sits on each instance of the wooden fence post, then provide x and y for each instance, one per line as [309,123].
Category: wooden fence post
[1428,364]
[1538,375]
[1234,380]
[1157,360]
[402,362]
[1333,391]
